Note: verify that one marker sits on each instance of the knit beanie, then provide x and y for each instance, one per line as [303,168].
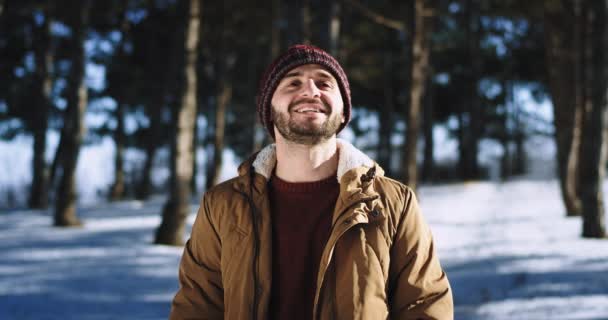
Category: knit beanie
[294,57]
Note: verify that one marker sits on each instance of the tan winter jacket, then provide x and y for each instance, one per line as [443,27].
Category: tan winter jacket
[379,261]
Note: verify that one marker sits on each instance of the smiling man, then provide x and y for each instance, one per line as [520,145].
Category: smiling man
[310,229]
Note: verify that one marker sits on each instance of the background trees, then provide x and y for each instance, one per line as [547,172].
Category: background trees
[414,67]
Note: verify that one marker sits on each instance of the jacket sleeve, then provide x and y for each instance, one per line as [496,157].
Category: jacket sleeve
[418,286]
[201,295]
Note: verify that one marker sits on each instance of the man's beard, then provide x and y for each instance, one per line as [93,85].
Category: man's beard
[306,133]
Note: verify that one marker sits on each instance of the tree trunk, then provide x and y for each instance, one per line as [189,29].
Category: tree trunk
[517,135]
[73,127]
[260,137]
[117,191]
[223,99]
[420,72]
[428,165]
[298,22]
[471,122]
[144,187]
[159,83]
[386,117]
[595,139]
[561,45]
[39,196]
[175,211]
[506,168]
[193,185]
[519,163]
[330,26]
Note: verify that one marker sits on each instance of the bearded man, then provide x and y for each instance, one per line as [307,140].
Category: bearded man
[310,229]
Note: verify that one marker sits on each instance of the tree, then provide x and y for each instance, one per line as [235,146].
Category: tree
[40,110]
[73,129]
[387,115]
[330,32]
[469,120]
[175,211]
[424,11]
[428,164]
[562,24]
[225,61]
[123,90]
[298,22]
[160,76]
[594,145]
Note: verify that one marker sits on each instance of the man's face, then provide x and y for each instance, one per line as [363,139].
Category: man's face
[307,106]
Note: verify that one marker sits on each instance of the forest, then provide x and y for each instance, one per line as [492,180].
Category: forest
[182,75]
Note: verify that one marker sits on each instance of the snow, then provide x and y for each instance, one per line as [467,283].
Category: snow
[508,250]
[94,170]
[510,253]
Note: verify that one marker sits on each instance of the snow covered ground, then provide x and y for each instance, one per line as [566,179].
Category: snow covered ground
[507,248]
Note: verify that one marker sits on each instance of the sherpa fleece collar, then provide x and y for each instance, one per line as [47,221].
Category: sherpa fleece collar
[349,158]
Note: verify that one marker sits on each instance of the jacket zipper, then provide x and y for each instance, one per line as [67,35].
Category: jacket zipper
[256,252]
[320,287]
[256,247]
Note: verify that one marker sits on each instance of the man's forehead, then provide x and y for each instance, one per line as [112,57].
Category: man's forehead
[314,69]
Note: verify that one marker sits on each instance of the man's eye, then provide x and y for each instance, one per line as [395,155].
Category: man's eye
[325,85]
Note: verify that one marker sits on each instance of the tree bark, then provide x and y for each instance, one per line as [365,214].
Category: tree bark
[561,45]
[420,72]
[260,137]
[330,26]
[470,121]
[298,20]
[39,192]
[428,165]
[594,144]
[144,187]
[175,211]
[73,126]
[506,168]
[223,99]
[519,137]
[386,116]
[157,105]
[193,185]
[117,190]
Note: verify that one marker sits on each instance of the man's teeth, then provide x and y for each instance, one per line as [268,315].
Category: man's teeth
[308,110]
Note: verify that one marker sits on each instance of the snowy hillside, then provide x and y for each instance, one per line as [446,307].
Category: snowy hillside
[507,248]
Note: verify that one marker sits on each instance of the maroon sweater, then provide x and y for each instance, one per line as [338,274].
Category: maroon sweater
[301,223]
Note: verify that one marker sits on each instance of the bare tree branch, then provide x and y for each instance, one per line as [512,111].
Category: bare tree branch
[376,17]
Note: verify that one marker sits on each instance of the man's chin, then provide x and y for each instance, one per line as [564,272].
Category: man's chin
[306,136]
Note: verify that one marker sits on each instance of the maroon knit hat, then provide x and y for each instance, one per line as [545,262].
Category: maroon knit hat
[295,56]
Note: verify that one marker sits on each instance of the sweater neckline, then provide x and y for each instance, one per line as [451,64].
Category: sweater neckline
[322,185]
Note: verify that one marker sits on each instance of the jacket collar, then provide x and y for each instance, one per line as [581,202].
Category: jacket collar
[355,174]
[349,158]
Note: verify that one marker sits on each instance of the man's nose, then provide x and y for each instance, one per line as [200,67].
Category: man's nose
[311,89]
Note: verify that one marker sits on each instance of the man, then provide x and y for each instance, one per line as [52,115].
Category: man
[310,229]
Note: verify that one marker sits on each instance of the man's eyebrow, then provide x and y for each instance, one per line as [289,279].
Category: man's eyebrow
[320,73]
[325,74]
[293,74]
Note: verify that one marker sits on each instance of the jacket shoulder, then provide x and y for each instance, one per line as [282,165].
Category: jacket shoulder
[221,190]
[221,201]
[397,199]
[394,190]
